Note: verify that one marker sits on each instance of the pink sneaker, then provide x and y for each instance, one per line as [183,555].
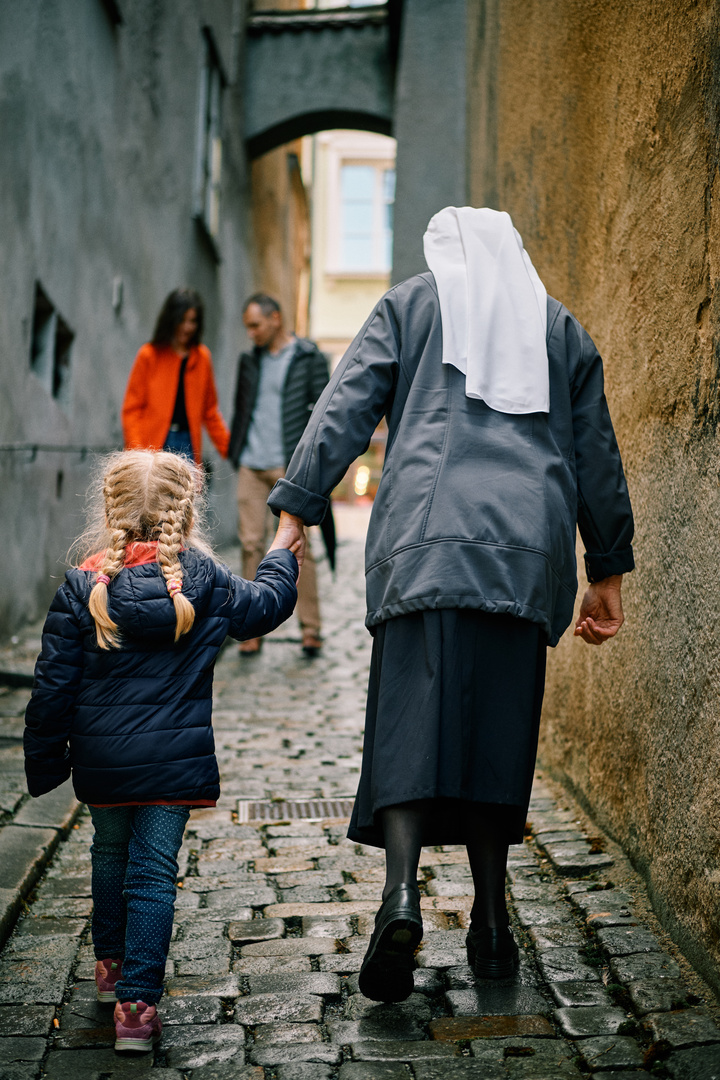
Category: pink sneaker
[137,1026]
[107,973]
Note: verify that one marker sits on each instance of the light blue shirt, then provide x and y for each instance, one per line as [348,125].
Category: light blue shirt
[264,447]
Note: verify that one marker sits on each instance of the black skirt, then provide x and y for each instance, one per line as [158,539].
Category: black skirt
[453,714]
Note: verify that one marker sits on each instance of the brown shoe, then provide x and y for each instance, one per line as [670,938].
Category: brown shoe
[311,643]
[250,647]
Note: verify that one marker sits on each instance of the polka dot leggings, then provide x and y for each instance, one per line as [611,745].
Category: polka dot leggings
[134,870]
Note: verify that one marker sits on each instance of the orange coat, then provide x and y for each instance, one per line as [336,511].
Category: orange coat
[150,399]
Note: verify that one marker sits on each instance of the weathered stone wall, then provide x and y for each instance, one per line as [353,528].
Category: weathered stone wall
[595,124]
[99,130]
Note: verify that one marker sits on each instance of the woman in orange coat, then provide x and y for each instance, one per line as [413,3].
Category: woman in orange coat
[171,390]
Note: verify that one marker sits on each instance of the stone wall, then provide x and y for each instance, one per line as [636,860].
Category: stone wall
[595,124]
[99,122]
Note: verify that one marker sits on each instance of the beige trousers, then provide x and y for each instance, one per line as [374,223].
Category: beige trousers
[254,486]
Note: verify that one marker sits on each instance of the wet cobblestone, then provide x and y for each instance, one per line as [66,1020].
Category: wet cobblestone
[273,917]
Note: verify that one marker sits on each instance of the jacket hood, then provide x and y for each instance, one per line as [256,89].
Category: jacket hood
[138,599]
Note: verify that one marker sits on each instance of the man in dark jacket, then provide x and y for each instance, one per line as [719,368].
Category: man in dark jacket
[278,383]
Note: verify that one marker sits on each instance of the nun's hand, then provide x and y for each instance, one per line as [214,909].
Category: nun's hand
[290,535]
[601,613]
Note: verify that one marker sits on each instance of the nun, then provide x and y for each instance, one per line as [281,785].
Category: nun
[499,444]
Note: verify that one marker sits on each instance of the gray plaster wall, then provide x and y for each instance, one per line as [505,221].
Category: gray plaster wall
[430,124]
[98,127]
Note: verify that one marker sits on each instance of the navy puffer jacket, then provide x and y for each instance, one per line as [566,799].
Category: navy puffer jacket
[134,724]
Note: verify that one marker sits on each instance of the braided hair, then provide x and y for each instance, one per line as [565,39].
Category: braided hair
[147,495]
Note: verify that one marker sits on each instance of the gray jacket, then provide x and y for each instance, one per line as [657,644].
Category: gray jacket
[475,508]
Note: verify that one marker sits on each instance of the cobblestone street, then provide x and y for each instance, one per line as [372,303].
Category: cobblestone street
[274,914]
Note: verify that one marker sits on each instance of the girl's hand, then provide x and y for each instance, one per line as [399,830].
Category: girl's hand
[290,536]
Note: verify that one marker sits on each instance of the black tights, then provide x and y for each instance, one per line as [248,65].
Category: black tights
[403,828]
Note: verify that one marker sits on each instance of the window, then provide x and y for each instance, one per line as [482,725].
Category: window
[50,345]
[208,167]
[367,193]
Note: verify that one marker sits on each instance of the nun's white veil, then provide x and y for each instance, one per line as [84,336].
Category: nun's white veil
[493,308]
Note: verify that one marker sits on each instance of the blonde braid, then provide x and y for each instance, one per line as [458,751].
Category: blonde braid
[112,563]
[174,527]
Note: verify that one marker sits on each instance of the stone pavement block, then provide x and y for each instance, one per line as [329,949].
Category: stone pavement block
[303,1070]
[67,885]
[611,1052]
[401,1051]
[189,1046]
[289,1053]
[19,1050]
[225,986]
[626,940]
[94,1064]
[50,927]
[486,999]
[23,853]
[55,810]
[530,914]
[657,995]
[379,1070]
[317,926]
[441,956]
[684,1027]
[10,904]
[272,1034]
[313,946]
[226,1070]
[540,894]
[566,965]
[68,907]
[314,982]
[342,963]
[272,965]
[282,865]
[26,981]
[206,965]
[462,1069]
[231,899]
[264,1008]
[376,1028]
[305,894]
[556,937]
[245,931]
[698,1063]
[575,860]
[586,1020]
[414,1008]
[200,948]
[31,1020]
[643,966]
[597,901]
[579,993]
[454,1029]
[190,1010]
[290,911]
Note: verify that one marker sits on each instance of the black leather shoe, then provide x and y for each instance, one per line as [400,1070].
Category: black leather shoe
[492,952]
[386,972]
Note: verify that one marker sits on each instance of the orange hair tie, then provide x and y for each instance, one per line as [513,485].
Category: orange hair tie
[174,585]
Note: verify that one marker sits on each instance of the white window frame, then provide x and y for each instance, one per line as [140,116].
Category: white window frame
[351,153]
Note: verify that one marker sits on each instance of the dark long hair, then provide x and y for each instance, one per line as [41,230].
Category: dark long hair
[171,315]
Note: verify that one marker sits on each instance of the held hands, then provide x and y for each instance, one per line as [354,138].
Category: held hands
[291,536]
[601,613]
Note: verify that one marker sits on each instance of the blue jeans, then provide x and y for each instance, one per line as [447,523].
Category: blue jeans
[178,442]
[134,870]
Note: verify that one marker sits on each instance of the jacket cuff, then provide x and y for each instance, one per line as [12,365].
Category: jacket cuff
[296,500]
[598,567]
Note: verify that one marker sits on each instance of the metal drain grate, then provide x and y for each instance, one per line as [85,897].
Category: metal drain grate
[294,811]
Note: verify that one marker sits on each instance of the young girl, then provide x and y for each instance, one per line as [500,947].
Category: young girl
[122,702]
